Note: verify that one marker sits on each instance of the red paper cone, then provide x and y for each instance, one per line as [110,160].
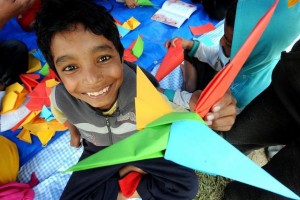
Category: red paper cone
[173,58]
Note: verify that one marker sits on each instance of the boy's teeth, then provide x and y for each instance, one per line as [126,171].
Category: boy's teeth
[97,93]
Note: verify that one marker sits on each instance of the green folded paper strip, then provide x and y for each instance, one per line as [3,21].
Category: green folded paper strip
[144,3]
[145,144]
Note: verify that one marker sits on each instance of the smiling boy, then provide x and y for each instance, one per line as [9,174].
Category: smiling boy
[81,43]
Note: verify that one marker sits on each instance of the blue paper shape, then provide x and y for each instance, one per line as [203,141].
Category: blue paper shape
[204,150]
[283,29]
[39,55]
[46,114]
[123,31]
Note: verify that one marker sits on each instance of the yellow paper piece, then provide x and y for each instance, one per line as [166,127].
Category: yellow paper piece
[131,23]
[24,135]
[15,95]
[8,102]
[51,83]
[57,126]
[52,125]
[34,64]
[291,3]
[147,94]
[44,136]
[16,87]
[30,118]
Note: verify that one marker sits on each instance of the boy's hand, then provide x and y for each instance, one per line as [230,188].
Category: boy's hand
[131,3]
[75,135]
[75,140]
[222,114]
[186,44]
[12,8]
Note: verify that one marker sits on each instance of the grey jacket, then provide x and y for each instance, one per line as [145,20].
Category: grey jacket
[94,127]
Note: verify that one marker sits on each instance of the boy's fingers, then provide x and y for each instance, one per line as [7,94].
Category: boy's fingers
[173,42]
[225,101]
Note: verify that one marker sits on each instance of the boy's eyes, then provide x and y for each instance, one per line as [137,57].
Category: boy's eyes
[104,58]
[70,68]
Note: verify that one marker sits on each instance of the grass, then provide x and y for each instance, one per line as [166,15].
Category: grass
[210,187]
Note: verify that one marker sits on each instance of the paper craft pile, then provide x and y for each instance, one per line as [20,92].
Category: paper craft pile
[33,100]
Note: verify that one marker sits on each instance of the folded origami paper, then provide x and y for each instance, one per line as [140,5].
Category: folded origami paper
[199,30]
[205,151]
[144,3]
[34,64]
[131,23]
[30,80]
[172,59]
[14,97]
[135,50]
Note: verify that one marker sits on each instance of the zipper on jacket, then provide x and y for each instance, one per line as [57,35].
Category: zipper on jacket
[109,130]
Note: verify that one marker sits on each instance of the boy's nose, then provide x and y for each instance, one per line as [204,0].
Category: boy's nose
[92,75]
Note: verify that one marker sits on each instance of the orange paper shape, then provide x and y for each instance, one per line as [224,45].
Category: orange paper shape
[291,3]
[217,87]
[25,136]
[149,103]
[199,30]
[172,59]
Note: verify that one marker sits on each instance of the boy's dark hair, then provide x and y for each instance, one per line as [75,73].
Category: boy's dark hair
[61,15]
[216,9]
[230,15]
[296,46]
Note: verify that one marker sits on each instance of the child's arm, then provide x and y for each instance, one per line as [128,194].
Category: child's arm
[75,135]
[10,9]
[129,3]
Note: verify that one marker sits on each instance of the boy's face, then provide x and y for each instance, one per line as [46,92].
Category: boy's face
[88,65]
[226,40]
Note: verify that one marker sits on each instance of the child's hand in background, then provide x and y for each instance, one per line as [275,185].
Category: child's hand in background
[131,3]
[186,44]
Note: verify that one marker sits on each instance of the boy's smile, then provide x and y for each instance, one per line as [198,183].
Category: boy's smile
[88,65]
